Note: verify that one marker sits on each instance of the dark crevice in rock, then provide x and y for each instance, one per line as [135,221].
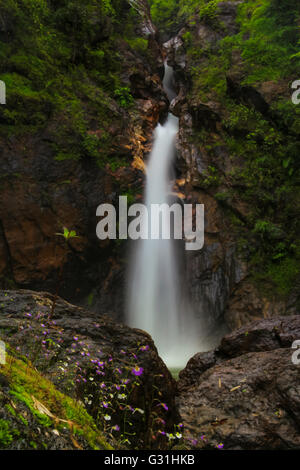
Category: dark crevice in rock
[7,255]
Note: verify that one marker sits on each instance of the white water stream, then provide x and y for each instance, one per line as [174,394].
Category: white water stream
[156,299]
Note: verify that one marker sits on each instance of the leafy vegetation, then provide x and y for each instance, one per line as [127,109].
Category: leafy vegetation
[31,401]
[263,142]
[62,69]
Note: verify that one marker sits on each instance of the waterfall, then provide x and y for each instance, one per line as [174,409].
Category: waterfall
[156,300]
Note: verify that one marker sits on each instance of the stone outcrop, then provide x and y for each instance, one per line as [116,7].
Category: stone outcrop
[245,394]
[39,195]
[78,350]
[219,280]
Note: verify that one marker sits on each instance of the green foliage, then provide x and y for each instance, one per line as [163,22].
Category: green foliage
[264,147]
[68,234]
[208,12]
[138,44]
[281,273]
[123,96]
[164,14]
[211,177]
[62,66]
[267,39]
[6,435]
[28,387]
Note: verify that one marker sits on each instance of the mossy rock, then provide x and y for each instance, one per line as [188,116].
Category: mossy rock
[35,415]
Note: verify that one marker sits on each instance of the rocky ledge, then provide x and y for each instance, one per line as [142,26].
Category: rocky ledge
[113,370]
[77,366]
[245,394]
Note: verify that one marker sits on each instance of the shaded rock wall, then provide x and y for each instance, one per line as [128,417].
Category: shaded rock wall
[245,394]
[39,195]
[219,277]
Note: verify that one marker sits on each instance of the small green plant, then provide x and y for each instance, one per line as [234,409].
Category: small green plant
[123,96]
[211,177]
[208,12]
[67,235]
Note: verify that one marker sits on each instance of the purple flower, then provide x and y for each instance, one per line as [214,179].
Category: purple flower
[115,428]
[164,406]
[75,338]
[104,404]
[220,446]
[144,348]
[102,385]
[137,371]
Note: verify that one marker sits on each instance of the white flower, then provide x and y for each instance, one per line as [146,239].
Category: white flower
[107,417]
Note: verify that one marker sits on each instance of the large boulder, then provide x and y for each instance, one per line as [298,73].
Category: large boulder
[245,395]
[113,369]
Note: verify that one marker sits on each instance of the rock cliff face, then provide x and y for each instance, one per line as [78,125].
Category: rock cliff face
[228,122]
[212,76]
[40,191]
[245,395]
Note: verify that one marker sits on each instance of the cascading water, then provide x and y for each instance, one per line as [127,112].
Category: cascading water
[156,303]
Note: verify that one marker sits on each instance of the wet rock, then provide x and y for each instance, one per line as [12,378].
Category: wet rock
[247,94]
[248,403]
[75,342]
[196,366]
[263,335]
[40,195]
[219,280]
[245,394]
[246,304]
